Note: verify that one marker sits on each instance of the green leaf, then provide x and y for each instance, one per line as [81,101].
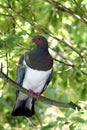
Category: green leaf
[10,40]
[50,126]
[64,98]
[78,120]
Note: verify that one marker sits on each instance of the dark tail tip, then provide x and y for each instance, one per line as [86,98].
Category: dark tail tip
[23,110]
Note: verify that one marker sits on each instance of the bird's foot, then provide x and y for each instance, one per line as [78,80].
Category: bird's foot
[31,91]
[38,95]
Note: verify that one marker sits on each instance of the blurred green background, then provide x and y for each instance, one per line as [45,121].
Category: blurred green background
[64,24]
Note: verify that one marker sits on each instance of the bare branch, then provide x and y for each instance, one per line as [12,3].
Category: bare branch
[43,99]
[77,4]
[62,8]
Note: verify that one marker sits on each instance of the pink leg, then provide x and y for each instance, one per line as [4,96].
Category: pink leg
[31,91]
[38,95]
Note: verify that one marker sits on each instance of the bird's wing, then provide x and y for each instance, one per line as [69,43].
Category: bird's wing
[20,71]
[23,107]
[47,82]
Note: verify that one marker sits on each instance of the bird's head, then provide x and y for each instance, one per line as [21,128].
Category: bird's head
[40,41]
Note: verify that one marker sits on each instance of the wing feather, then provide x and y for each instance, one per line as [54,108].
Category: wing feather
[20,71]
[47,82]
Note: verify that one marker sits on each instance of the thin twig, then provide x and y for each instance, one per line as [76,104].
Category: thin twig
[63,41]
[62,8]
[79,7]
[65,63]
[21,46]
[7,61]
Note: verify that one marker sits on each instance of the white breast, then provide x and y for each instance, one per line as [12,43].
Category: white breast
[35,79]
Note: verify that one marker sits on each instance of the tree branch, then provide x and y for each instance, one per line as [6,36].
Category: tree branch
[62,8]
[43,99]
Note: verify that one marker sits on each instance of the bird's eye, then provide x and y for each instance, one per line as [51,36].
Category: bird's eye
[39,38]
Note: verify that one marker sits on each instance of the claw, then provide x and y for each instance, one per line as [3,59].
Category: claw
[31,91]
[38,95]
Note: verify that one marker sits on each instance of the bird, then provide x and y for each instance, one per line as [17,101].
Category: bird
[34,72]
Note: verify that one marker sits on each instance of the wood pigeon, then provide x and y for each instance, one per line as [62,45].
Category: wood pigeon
[33,73]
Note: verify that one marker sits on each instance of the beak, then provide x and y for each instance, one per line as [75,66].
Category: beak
[31,41]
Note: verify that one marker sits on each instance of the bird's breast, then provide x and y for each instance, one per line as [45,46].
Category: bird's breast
[35,79]
[39,60]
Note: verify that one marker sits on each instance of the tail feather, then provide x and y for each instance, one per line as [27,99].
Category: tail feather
[24,107]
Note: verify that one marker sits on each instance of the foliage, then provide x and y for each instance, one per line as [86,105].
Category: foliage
[64,24]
